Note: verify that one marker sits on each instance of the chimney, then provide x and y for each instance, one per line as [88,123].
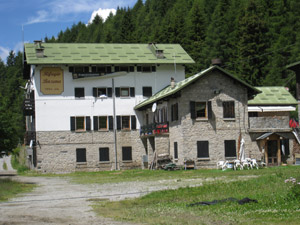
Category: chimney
[173,83]
[39,50]
[159,53]
[216,62]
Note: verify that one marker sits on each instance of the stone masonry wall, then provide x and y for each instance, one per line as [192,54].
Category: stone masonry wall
[56,151]
[187,131]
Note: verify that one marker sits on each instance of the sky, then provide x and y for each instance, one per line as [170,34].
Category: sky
[41,18]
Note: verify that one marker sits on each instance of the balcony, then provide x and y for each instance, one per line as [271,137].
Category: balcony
[28,107]
[269,123]
[154,128]
[30,135]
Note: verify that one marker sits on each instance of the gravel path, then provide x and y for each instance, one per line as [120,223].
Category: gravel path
[58,201]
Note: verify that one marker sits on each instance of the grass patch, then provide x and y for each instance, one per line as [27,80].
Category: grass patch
[4,166]
[18,160]
[9,189]
[275,206]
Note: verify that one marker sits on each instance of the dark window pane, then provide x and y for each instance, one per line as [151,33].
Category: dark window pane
[228,109]
[124,92]
[230,148]
[103,154]
[201,110]
[125,122]
[80,155]
[147,91]
[202,149]
[101,91]
[80,123]
[126,153]
[79,92]
[102,122]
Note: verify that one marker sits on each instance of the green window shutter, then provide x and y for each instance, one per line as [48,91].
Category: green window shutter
[95,123]
[109,92]
[193,110]
[209,109]
[132,92]
[95,94]
[117,91]
[88,123]
[72,122]
[118,122]
[133,123]
[110,123]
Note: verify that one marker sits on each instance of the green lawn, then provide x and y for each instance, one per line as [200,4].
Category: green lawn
[277,203]
[9,189]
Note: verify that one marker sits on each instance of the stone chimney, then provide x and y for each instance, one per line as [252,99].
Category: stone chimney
[173,82]
[216,62]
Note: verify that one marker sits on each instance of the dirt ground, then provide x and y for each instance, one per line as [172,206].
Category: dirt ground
[58,201]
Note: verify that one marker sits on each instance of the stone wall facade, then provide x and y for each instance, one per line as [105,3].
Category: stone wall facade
[56,151]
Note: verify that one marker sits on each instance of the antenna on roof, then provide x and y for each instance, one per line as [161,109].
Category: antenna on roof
[174,62]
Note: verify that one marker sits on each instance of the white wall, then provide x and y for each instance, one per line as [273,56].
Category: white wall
[53,112]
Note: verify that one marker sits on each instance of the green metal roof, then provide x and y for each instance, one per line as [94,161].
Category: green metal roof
[87,53]
[180,85]
[273,96]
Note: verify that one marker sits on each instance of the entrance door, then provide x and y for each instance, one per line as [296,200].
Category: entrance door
[272,153]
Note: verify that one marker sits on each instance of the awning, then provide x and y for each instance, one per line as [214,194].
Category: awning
[265,135]
[271,108]
[286,135]
[296,136]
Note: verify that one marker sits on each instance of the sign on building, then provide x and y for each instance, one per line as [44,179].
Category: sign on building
[52,81]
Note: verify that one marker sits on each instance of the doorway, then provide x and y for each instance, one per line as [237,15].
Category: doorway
[272,152]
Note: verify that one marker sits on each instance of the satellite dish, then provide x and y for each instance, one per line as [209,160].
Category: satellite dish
[154,106]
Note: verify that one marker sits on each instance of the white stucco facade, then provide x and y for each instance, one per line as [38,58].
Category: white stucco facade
[53,112]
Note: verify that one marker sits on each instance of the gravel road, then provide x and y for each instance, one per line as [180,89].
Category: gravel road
[58,201]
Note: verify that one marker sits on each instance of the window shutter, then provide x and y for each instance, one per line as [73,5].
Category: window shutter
[176,111]
[209,110]
[175,150]
[172,112]
[109,92]
[71,69]
[139,69]
[110,123]
[193,110]
[88,123]
[132,92]
[118,122]
[72,120]
[95,92]
[133,123]
[117,92]
[96,123]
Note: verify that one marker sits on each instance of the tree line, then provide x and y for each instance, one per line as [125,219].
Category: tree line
[255,39]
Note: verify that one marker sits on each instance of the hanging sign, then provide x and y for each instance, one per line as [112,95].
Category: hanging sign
[52,81]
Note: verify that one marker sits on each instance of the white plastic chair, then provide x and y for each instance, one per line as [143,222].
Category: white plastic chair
[237,164]
[254,163]
[246,163]
[220,164]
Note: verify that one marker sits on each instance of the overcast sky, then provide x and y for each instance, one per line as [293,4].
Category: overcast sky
[42,18]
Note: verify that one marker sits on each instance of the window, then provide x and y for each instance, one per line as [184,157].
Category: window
[175,150]
[126,153]
[102,91]
[103,123]
[103,154]
[147,91]
[202,149]
[228,109]
[80,155]
[125,122]
[201,110]
[174,112]
[124,92]
[285,147]
[230,148]
[79,92]
[79,69]
[80,123]
[146,69]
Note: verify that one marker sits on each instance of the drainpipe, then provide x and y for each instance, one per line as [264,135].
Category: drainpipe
[114,122]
